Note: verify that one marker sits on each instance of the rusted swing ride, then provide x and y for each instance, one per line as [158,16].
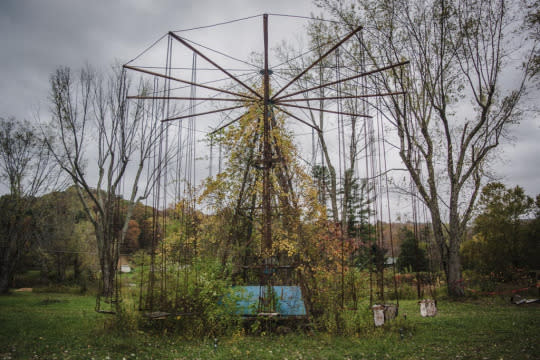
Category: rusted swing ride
[268,286]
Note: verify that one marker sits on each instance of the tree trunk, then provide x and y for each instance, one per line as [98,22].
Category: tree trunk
[108,273]
[4,277]
[60,268]
[454,280]
[76,268]
[44,271]
[108,260]
[440,240]
[449,253]
[10,257]
[333,181]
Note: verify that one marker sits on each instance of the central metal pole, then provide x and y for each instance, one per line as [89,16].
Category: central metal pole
[267,153]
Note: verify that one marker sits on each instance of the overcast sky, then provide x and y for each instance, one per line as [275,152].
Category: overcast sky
[37,36]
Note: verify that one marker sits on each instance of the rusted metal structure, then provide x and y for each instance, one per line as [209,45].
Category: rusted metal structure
[270,102]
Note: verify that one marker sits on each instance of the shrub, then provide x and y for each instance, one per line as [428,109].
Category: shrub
[200,302]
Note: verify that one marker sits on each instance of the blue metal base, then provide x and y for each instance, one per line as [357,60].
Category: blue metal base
[289,301]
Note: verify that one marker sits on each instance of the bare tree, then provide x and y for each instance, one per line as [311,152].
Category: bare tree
[27,169]
[532,26]
[456,110]
[322,37]
[102,145]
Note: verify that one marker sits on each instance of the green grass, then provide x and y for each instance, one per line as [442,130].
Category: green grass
[49,326]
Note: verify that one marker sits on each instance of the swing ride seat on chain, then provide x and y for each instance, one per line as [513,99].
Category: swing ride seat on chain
[266,298]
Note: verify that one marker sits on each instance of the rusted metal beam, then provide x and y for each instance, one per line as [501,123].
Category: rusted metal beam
[316,128]
[327,111]
[227,124]
[342,80]
[140,97]
[187,82]
[267,152]
[317,61]
[341,97]
[189,46]
[203,113]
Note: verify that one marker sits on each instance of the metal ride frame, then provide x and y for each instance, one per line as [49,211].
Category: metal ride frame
[280,101]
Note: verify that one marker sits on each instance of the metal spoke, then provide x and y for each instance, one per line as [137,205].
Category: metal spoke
[342,80]
[178,38]
[203,113]
[341,97]
[141,97]
[297,118]
[318,60]
[227,124]
[186,82]
[326,111]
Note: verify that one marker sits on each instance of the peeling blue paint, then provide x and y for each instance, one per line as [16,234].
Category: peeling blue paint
[289,301]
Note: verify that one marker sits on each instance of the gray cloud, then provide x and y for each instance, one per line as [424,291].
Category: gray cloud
[37,36]
[520,163]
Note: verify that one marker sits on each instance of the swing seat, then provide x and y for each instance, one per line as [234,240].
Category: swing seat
[383,313]
[268,315]
[157,315]
[390,311]
[110,312]
[112,301]
[162,315]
